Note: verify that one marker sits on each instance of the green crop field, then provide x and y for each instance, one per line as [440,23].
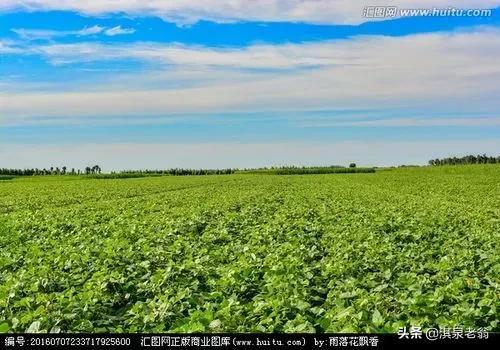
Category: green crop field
[252,253]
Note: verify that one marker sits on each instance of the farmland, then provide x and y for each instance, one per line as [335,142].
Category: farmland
[252,253]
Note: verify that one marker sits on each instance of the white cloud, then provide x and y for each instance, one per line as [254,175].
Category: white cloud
[47,34]
[188,11]
[361,52]
[118,30]
[256,56]
[219,155]
[44,34]
[35,34]
[91,30]
[10,48]
[409,122]
[460,69]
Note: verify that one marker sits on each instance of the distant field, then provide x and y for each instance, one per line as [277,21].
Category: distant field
[252,253]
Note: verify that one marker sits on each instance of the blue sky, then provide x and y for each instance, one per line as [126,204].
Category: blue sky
[148,84]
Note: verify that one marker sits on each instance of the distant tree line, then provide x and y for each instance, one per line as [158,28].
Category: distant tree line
[470,159]
[276,170]
[96,169]
[295,170]
[181,172]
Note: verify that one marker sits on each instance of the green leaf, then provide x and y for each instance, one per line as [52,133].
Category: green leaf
[34,327]
[4,328]
[377,318]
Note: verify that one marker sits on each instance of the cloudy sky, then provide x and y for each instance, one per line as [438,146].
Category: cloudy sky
[238,83]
